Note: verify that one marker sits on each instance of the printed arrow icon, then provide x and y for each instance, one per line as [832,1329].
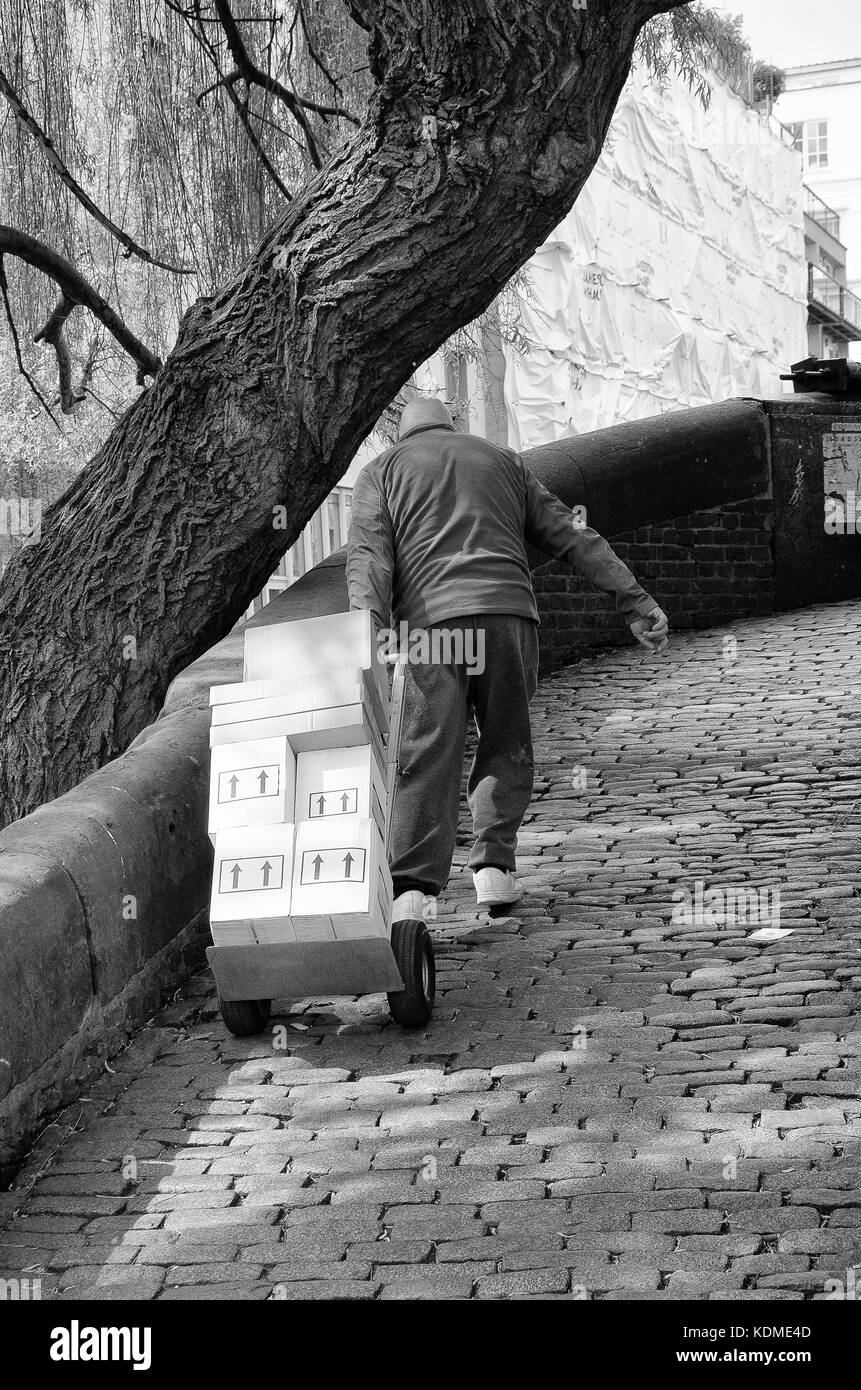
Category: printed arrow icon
[318,864]
[235,872]
[321,805]
[233,784]
[263,779]
[266,871]
[345,801]
[348,863]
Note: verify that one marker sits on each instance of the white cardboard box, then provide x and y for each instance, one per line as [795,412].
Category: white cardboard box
[318,694]
[252,783]
[288,726]
[297,695]
[251,880]
[340,782]
[343,727]
[311,645]
[340,874]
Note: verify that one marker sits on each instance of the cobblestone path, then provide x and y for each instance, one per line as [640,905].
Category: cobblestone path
[645,1085]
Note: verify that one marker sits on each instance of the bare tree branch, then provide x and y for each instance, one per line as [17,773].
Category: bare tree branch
[76,290]
[228,81]
[256,77]
[53,333]
[23,116]
[225,79]
[4,292]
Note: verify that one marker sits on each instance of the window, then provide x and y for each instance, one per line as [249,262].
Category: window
[811,138]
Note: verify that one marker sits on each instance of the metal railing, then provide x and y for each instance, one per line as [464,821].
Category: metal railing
[827,291]
[824,216]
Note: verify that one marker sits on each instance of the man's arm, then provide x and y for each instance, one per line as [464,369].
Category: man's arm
[553,528]
[370,549]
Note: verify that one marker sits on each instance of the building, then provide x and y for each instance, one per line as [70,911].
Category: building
[679,278]
[821,108]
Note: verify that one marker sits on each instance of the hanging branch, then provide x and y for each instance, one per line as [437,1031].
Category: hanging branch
[74,289]
[228,81]
[256,77]
[4,291]
[24,118]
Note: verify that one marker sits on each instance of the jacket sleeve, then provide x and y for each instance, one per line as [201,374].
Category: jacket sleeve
[370,548]
[553,528]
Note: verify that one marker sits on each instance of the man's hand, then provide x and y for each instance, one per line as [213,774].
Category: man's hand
[652,631]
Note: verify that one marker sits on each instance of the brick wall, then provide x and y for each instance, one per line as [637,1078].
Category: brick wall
[703,569]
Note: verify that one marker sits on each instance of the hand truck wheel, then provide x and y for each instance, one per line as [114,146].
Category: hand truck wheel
[245,1017]
[412,1006]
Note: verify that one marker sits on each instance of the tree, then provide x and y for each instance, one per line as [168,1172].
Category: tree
[484,121]
[768,82]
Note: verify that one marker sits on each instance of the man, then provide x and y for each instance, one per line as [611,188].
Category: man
[437,542]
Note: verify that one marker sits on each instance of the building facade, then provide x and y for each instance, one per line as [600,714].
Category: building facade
[821,108]
[677,279]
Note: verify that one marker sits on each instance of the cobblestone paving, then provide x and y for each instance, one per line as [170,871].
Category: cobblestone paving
[613,1100]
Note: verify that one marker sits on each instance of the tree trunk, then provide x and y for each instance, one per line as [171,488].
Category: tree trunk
[157,548]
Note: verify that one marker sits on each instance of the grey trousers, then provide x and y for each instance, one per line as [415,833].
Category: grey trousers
[439,697]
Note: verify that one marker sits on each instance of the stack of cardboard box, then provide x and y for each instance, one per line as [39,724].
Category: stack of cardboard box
[298,787]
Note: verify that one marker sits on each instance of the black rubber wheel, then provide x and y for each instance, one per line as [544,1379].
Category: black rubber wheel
[411,943]
[244,1017]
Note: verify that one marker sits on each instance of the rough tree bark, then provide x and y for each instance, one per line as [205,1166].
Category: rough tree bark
[156,549]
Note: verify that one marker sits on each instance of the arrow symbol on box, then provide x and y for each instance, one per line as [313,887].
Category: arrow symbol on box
[233,784]
[345,801]
[318,864]
[321,805]
[235,872]
[263,779]
[266,871]
[348,863]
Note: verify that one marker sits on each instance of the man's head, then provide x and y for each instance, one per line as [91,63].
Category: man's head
[422,412]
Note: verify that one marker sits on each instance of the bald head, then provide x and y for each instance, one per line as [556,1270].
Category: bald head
[422,412]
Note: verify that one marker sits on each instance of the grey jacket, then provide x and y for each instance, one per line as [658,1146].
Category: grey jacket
[439,527]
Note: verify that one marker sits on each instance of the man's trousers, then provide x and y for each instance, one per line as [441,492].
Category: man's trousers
[440,695]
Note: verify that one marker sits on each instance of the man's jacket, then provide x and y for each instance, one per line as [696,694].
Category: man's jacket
[439,527]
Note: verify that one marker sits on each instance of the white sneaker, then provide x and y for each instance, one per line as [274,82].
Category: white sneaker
[412,905]
[496,887]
